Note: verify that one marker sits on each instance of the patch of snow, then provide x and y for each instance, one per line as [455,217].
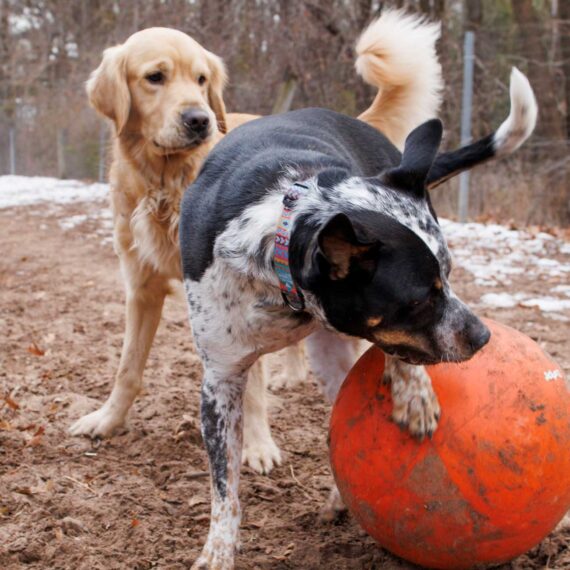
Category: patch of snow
[548,304]
[499,300]
[72,221]
[29,190]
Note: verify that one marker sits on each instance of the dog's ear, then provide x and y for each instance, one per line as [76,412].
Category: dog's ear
[419,154]
[218,79]
[108,90]
[342,249]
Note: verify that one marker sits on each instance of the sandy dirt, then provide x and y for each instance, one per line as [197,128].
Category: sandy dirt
[141,499]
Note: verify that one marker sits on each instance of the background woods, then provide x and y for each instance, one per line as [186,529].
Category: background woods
[295,53]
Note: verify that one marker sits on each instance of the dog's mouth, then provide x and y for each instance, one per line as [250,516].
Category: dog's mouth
[416,357]
[185,147]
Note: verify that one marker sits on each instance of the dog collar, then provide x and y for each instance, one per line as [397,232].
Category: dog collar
[292,297]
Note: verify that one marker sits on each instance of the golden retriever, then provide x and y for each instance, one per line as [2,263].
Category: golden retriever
[163,92]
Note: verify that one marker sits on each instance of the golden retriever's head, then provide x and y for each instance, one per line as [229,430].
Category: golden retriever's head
[163,87]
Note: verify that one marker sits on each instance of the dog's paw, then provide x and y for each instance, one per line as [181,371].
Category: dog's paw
[284,380]
[101,423]
[416,407]
[332,508]
[261,454]
[219,558]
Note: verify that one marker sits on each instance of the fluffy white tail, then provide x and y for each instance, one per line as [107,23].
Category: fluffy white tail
[397,54]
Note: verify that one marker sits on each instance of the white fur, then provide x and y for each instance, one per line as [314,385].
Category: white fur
[397,54]
[521,120]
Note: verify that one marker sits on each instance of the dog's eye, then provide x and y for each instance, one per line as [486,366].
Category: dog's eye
[156,78]
[202,79]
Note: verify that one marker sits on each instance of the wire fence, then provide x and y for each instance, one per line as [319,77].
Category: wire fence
[49,130]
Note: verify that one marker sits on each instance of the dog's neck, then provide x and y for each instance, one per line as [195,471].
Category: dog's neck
[163,174]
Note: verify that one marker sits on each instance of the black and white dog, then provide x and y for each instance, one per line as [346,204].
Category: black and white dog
[359,252]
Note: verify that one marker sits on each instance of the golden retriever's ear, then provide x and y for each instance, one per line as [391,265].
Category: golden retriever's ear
[108,90]
[218,80]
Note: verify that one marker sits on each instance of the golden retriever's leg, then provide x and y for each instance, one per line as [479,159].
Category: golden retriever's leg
[145,298]
[288,367]
[259,450]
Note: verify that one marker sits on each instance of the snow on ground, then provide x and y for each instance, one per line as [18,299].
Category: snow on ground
[493,254]
[54,193]
[28,190]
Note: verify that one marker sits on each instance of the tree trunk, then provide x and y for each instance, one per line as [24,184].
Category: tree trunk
[564,8]
[473,14]
[540,73]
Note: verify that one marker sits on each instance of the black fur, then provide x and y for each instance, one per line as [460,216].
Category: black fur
[449,164]
[251,159]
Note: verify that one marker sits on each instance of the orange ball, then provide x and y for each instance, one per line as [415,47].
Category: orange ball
[493,481]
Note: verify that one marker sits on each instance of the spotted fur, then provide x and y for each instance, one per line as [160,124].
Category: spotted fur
[363,198]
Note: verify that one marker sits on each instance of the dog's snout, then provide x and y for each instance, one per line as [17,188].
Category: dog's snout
[476,334]
[195,121]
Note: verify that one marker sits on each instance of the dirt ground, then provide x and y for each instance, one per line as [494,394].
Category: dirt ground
[141,500]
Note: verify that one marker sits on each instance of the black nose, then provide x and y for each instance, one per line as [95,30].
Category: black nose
[477,334]
[195,121]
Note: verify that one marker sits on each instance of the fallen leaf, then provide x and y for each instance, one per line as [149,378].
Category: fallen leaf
[196,500]
[11,403]
[35,350]
[5,425]
[37,437]
[134,523]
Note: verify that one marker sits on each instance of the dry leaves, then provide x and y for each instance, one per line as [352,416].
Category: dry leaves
[37,437]
[35,349]
[14,405]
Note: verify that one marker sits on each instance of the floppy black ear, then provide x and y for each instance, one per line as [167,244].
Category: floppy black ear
[340,247]
[420,151]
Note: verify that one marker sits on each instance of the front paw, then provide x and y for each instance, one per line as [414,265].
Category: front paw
[216,559]
[261,453]
[101,423]
[415,403]
[333,507]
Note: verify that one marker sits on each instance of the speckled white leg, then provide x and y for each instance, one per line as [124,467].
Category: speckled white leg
[222,421]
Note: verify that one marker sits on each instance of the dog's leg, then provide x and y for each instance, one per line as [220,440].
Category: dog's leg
[259,450]
[292,368]
[145,299]
[331,356]
[221,412]
[415,403]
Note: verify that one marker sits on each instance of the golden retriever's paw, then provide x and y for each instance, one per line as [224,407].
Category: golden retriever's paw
[416,407]
[261,454]
[101,423]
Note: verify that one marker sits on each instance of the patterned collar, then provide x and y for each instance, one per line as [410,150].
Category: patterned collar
[293,298]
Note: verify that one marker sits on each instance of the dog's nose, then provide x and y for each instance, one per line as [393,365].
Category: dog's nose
[476,334]
[195,121]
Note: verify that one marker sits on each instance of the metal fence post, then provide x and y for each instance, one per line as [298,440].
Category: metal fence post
[12,145]
[468,63]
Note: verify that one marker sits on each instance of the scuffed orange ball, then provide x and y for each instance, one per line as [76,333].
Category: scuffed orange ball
[493,481]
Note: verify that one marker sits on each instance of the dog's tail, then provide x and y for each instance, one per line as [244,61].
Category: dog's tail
[517,127]
[397,54]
